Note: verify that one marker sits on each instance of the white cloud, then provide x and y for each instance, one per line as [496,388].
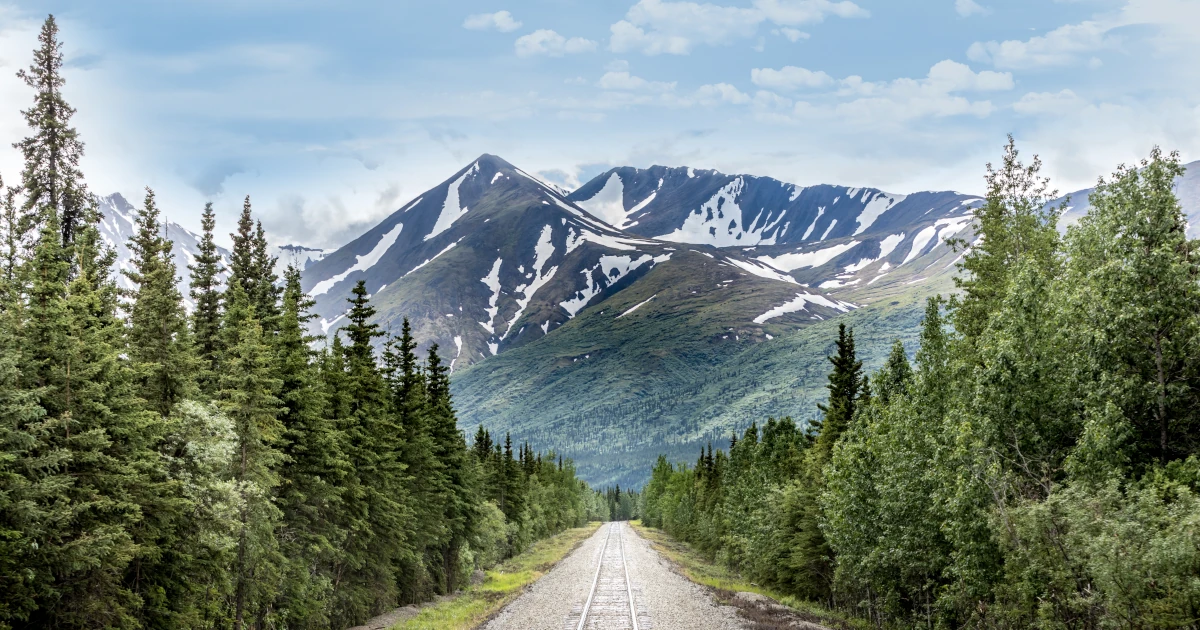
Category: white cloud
[769,100]
[789,78]
[548,42]
[499,21]
[792,34]
[796,12]
[622,80]
[721,92]
[1057,103]
[1060,46]
[967,8]
[656,27]
[937,95]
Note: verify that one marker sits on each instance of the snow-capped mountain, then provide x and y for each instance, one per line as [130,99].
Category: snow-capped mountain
[833,237]
[494,258]
[298,255]
[117,226]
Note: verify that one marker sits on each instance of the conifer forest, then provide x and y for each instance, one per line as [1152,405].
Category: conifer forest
[213,470]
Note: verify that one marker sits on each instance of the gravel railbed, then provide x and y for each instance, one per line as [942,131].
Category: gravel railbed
[665,600]
[549,601]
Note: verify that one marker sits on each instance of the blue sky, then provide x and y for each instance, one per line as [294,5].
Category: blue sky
[333,114]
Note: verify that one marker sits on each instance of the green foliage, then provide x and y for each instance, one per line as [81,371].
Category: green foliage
[1037,469]
[158,334]
[206,319]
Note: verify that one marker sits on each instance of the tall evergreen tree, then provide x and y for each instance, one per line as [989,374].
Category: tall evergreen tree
[248,396]
[424,471]
[93,433]
[51,181]
[159,343]
[460,493]
[374,443]
[313,469]
[266,292]
[846,383]
[206,294]
[243,269]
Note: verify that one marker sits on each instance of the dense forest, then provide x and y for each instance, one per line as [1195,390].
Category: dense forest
[213,469]
[1035,466]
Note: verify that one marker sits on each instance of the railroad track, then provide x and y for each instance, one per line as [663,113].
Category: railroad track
[610,604]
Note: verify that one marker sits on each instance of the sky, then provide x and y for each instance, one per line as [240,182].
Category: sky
[333,114]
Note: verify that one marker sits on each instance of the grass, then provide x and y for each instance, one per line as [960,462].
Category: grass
[725,583]
[476,605]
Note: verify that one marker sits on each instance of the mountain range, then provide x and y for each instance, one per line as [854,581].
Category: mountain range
[648,311]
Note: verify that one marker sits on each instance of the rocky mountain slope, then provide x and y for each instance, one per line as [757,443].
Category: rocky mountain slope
[832,237]
[493,259]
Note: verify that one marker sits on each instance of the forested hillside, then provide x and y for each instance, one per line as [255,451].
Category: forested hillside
[213,470]
[1036,466]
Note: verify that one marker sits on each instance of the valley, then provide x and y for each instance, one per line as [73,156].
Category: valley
[648,311]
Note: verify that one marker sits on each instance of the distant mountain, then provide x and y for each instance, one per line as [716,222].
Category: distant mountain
[493,258]
[117,226]
[297,255]
[1187,188]
[833,237]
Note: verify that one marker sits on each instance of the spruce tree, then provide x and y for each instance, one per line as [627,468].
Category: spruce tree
[14,248]
[206,294]
[243,269]
[425,472]
[460,493]
[314,467]
[845,386]
[374,446]
[248,390]
[159,343]
[266,292]
[894,379]
[93,435]
[51,181]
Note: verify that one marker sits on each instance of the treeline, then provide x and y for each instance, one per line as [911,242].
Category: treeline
[1036,467]
[160,469]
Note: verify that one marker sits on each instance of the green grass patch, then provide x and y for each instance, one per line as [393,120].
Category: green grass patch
[699,569]
[476,605]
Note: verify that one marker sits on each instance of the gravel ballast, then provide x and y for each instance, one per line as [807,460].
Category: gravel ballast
[664,599]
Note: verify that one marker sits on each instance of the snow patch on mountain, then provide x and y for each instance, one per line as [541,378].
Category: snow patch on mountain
[362,263]
[492,282]
[637,306]
[886,246]
[718,222]
[801,260]
[875,209]
[542,252]
[800,303]
[820,211]
[612,269]
[451,209]
[761,271]
[608,204]
[435,257]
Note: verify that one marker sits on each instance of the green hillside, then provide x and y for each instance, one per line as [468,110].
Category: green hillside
[668,378]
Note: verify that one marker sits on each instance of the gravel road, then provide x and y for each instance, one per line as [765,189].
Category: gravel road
[663,599]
